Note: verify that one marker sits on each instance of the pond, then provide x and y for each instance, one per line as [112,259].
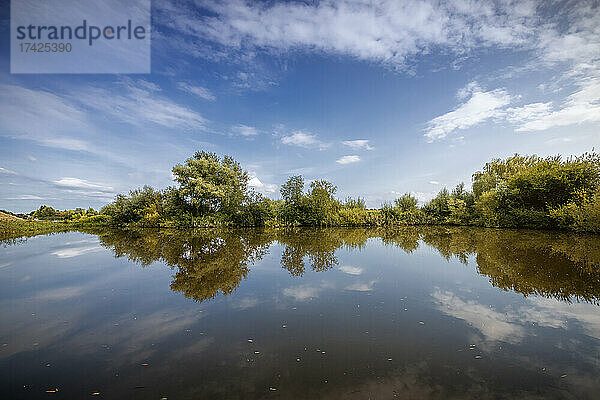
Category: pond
[411,313]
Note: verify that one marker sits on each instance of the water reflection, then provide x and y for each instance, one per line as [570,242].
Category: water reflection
[415,312]
[208,262]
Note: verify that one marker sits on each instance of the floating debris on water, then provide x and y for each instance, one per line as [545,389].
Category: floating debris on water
[389,359]
[284,326]
[272,389]
[422,322]
[250,340]
[145,364]
[477,357]
[96,394]
[52,390]
[563,376]
[257,352]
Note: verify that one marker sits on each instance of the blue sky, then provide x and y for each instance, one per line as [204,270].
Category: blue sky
[381,98]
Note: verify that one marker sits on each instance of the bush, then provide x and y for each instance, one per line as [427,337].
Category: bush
[581,214]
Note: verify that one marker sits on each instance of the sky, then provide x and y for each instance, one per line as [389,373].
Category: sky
[379,97]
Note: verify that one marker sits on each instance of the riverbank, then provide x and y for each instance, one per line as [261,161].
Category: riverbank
[11,229]
[15,228]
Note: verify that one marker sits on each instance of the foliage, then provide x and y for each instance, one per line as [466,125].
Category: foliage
[46,213]
[141,205]
[209,262]
[209,184]
[520,191]
[581,214]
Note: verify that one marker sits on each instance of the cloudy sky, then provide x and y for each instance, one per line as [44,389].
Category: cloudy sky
[380,98]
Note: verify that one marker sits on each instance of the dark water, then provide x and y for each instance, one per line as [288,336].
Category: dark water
[308,314]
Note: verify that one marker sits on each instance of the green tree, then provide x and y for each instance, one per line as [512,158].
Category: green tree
[438,209]
[210,184]
[521,191]
[292,192]
[143,205]
[322,205]
[44,213]
[406,203]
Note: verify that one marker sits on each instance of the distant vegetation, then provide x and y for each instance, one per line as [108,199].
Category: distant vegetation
[521,191]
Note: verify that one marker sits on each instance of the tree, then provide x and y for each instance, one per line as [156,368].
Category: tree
[358,203]
[209,184]
[438,208]
[293,197]
[141,204]
[406,203]
[522,191]
[292,189]
[44,212]
[321,203]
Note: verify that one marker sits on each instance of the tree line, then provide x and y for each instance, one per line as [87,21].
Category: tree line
[517,192]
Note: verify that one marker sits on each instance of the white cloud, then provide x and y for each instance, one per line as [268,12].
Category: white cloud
[303,139]
[7,171]
[361,286]
[558,314]
[350,270]
[434,183]
[76,251]
[138,104]
[468,90]
[26,197]
[76,183]
[358,144]
[60,294]
[42,117]
[492,324]
[244,130]
[511,324]
[348,160]
[480,107]
[246,303]
[261,187]
[199,91]
[387,31]
[422,197]
[302,293]
[527,112]
[583,106]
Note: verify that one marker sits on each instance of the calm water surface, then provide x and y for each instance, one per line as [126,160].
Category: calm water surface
[413,313]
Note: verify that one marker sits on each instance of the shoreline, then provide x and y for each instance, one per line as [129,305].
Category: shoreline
[12,230]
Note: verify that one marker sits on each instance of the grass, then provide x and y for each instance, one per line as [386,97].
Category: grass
[4,217]
[16,228]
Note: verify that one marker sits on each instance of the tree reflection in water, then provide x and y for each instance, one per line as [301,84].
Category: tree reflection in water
[207,262]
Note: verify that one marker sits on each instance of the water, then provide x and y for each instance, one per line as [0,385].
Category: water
[411,313]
